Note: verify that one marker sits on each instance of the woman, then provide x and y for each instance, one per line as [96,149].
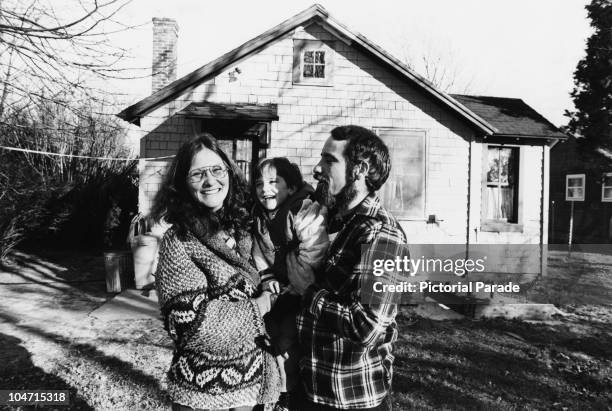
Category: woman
[206,285]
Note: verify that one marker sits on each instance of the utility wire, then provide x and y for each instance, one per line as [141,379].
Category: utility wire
[25,150]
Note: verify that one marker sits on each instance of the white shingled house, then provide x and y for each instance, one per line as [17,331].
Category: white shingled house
[466,169]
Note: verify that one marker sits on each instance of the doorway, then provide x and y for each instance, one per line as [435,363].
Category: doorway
[244,141]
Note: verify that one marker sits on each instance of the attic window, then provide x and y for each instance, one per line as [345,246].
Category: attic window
[313,63]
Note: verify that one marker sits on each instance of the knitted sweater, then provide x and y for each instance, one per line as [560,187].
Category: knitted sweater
[205,292]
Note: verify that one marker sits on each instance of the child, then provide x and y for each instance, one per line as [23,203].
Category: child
[289,243]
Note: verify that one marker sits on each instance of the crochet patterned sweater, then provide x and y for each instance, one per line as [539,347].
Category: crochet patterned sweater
[205,293]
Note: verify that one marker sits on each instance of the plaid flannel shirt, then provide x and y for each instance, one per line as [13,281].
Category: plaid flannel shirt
[347,360]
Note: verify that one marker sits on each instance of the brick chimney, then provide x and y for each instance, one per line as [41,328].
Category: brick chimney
[165,35]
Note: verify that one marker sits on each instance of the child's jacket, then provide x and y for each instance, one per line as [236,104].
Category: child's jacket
[290,246]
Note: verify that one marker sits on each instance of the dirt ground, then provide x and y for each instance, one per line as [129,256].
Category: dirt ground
[50,341]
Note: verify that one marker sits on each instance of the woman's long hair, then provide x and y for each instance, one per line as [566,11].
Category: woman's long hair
[175,204]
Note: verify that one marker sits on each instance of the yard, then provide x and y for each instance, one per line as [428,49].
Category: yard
[50,341]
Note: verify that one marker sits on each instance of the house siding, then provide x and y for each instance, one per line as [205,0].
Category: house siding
[362,92]
[592,218]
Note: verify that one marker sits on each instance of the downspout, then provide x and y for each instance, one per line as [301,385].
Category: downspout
[469,197]
[543,254]
[469,207]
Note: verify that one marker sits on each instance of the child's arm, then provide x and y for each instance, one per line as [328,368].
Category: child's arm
[266,274]
[309,226]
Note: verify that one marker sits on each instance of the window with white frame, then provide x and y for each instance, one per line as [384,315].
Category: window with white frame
[313,62]
[500,184]
[574,187]
[404,192]
[606,188]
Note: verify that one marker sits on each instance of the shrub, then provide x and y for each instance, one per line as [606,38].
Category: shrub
[63,200]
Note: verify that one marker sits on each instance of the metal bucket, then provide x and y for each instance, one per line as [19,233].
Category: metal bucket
[145,254]
[118,266]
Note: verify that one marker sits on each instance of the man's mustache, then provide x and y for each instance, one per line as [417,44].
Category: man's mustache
[322,194]
[319,177]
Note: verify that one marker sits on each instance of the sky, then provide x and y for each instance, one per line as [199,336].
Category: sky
[522,48]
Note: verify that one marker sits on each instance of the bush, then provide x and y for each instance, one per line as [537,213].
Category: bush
[64,200]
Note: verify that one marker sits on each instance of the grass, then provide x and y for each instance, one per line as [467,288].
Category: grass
[50,342]
[501,364]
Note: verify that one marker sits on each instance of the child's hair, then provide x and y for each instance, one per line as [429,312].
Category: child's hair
[289,171]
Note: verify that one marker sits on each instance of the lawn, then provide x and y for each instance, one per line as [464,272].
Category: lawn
[50,342]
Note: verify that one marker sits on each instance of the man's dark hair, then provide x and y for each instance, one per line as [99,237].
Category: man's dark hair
[289,171]
[364,145]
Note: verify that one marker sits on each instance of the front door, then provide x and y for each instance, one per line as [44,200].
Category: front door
[243,141]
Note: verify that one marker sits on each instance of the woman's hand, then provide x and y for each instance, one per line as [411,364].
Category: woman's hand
[263,302]
[273,286]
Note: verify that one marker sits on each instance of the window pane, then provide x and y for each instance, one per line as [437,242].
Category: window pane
[308,58]
[244,150]
[493,172]
[574,182]
[499,204]
[403,193]
[319,71]
[607,180]
[607,193]
[575,192]
[240,151]
[501,166]
[320,57]
[308,70]
[506,168]
[227,146]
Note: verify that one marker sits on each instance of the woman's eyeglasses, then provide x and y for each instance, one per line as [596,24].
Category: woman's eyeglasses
[195,176]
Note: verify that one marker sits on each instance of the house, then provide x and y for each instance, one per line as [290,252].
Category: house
[466,169]
[581,191]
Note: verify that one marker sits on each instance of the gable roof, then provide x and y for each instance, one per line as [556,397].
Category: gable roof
[511,117]
[317,14]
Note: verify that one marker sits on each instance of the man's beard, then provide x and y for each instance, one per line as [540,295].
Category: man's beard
[338,202]
[322,194]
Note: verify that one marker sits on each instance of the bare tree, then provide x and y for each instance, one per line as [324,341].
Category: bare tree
[48,47]
[54,58]
[437,62]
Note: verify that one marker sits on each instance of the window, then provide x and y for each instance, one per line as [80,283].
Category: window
[606,188]
[574,187]
[313,63]
[404,192]
[500,191]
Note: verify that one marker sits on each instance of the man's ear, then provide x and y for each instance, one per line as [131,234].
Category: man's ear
[361,170]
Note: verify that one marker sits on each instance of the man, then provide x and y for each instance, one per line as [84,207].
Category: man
[346,344]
